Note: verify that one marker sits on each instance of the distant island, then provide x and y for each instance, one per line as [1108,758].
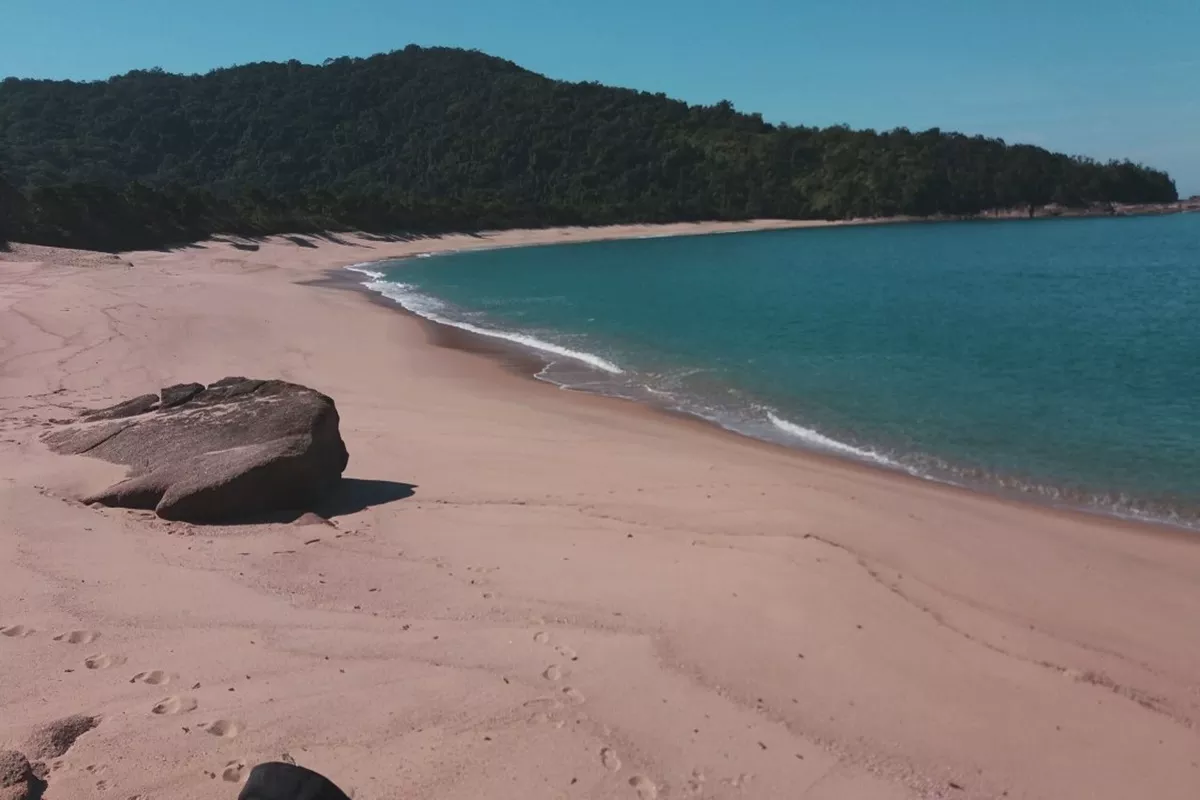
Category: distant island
[430,140]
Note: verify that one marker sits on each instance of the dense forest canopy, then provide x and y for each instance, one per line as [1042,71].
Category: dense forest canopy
[438,139]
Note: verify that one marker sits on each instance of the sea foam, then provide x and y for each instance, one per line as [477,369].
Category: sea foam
[819,441]
[433,309]
[365,269]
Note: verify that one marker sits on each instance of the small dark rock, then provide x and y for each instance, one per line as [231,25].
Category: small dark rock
[18,779]
[283,779]
[55,739]
[14,768]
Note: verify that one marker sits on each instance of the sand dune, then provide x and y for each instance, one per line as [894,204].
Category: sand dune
[525,592]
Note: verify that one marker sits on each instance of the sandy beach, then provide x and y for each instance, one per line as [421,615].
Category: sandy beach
[524,592]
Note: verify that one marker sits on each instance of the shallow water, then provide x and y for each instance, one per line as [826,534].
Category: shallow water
[1054,358]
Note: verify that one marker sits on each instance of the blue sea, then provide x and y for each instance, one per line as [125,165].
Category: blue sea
[1057,360]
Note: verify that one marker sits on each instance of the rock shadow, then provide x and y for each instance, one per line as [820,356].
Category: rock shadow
[351,496]
[358,494]
[330,236]
[172,248]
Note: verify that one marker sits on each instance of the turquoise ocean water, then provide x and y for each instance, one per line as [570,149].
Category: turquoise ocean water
[1057,359]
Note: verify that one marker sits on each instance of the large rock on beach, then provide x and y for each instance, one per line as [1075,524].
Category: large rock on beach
[237,448]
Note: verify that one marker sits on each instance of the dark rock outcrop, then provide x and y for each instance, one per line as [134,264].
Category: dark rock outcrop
[129,408]
[236,449]
[17,779]
[180,393]
[14,768]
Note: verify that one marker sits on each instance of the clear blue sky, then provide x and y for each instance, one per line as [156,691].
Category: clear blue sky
[1105,78]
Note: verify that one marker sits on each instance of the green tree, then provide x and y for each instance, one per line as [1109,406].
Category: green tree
[435,139]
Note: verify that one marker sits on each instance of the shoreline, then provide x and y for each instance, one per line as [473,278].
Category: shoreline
[576,595]
[531,361]
[521,362]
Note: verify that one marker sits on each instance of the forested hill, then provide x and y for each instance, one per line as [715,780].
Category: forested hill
[437,139]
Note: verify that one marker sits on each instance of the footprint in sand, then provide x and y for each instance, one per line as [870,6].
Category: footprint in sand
[543,705]
[155,677]
[552,673]
[226,729]
[102,661]
[77,637]
[610,759]
[16,631]
[573,696]
[234,771]
[567,652]
[175,705]
[645,788]
[541,637]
